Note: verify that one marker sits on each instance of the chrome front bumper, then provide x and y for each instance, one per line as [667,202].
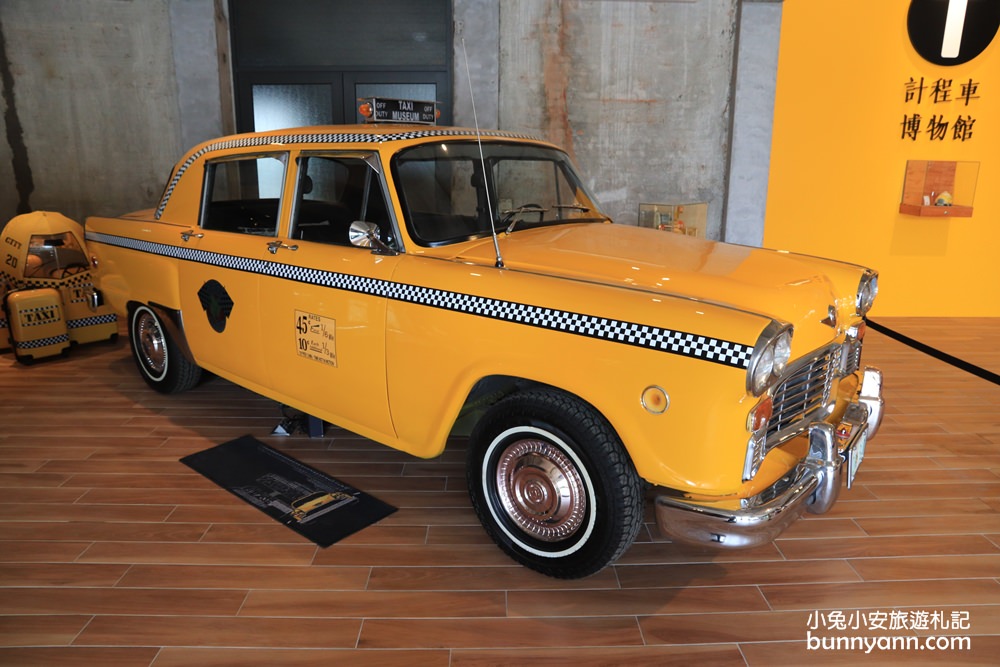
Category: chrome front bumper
[812,486]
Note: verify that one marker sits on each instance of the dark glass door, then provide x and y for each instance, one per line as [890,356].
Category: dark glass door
[307,62]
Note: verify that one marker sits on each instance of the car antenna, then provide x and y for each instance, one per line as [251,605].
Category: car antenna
[482,160]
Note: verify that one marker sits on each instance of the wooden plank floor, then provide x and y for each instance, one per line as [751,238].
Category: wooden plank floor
[114,553]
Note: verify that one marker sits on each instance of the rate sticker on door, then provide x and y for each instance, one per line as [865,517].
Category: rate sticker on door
[316,337]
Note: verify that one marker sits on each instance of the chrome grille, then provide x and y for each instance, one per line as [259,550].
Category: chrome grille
[806,390]
[851,355]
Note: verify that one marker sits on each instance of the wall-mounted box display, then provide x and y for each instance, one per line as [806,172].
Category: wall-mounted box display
[939,188]
[687,219]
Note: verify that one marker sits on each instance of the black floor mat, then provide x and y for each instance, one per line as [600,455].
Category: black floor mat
[311,503]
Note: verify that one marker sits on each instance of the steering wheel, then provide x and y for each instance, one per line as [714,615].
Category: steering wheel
[72,268]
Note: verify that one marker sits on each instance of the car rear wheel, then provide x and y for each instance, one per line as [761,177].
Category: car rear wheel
[161,363]
[552,484]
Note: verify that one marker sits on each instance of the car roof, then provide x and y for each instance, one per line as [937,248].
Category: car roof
[366,133]
[326,136]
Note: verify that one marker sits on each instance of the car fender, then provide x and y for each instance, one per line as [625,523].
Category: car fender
[125,276]
[439,347]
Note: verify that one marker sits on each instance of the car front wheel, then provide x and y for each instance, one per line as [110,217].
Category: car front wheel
[552,484]
[161,363]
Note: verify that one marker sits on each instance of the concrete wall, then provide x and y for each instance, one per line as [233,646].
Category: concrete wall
[475,89]
[753,115]
[109,93]
[637,92]
[103,111]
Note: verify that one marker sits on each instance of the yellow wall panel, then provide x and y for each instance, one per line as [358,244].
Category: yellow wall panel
[850,113]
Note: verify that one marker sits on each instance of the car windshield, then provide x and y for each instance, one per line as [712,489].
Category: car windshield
[448,196]
[54,256]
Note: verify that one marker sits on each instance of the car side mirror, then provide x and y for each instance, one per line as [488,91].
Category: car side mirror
[364,234]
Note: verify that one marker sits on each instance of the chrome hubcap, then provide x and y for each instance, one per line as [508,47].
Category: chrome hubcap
[541,490]
[150,344]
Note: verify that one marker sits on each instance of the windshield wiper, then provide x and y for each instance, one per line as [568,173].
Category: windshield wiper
[582,209]
[516,215]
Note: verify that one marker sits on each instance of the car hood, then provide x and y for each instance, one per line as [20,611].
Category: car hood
[790,288]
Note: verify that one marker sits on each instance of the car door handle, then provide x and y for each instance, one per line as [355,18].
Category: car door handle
[189,233]
[273,246]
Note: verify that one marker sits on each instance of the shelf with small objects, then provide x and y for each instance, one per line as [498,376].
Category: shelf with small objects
[688,219]
[939,188]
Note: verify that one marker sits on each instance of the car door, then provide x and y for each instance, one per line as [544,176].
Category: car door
[323,309]
[240,210]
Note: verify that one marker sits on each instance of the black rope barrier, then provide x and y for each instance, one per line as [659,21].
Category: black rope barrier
[966,366]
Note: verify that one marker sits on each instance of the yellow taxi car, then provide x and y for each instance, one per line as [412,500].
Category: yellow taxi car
[406,281]
[317,504]
[46,288]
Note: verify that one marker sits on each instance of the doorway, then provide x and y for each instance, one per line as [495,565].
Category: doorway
[307,62]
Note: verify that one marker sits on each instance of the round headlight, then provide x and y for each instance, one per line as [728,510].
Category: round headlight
[769,358]
[867,290]
[782,351]
[762,371]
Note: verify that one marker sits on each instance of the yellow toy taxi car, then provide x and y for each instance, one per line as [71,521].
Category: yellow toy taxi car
[317,504]
[46,284]
[406,281]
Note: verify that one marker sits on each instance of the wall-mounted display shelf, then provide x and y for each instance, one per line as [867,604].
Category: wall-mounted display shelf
[688,219]
[937,188]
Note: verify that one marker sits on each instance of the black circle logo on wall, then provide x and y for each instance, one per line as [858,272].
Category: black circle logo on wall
[952,32]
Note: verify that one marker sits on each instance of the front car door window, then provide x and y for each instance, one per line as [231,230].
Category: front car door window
[336,190]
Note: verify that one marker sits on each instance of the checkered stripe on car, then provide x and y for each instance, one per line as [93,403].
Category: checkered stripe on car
[723,352]
[91,321]
[252,141]
[41,342]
